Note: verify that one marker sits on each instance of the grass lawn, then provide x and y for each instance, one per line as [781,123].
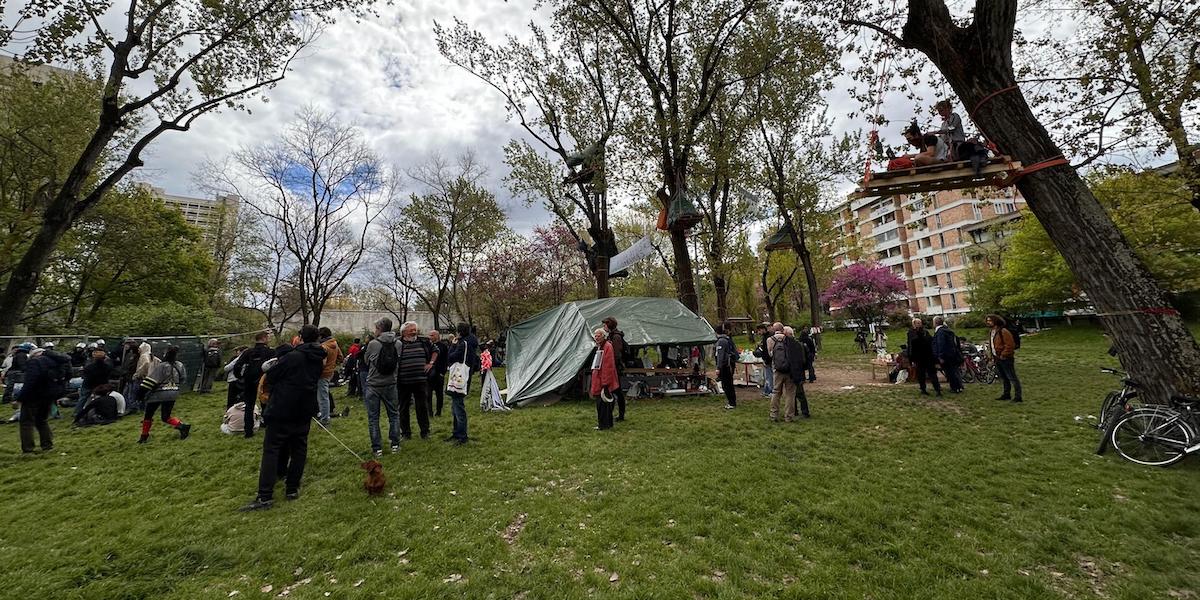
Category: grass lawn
[883,494]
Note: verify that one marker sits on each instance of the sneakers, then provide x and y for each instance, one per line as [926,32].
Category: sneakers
[293,495]
[729,407]
[258,504]
[395,449]
[184,431]
[379,453]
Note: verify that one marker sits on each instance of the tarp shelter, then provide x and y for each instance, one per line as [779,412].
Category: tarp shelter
[546,352]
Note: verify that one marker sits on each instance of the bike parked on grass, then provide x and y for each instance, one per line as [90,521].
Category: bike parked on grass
[1158,436]
[977,365]
[1115,405]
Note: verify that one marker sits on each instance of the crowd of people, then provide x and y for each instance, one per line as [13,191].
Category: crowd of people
[281,390]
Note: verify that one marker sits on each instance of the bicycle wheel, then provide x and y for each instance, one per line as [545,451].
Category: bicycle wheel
[966,374]
[1110,409]
[989,375]
[1152,436]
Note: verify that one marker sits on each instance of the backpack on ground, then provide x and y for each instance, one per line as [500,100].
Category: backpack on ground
[388,358]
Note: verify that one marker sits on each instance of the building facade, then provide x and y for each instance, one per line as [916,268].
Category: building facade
[927,239]
[210,215]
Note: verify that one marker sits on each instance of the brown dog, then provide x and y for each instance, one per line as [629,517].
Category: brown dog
[375,480]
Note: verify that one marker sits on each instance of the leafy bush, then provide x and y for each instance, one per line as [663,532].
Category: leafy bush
[971,320]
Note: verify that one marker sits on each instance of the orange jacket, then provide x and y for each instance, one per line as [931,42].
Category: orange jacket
[1003,345]
[333,352]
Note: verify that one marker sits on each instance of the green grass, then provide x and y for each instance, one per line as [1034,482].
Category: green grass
[882,495]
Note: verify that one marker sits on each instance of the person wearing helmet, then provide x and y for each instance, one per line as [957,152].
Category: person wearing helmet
[79,355]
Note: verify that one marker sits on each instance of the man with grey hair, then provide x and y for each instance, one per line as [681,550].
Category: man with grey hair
[920,352]
[947,353]
[383,360]
[412,375]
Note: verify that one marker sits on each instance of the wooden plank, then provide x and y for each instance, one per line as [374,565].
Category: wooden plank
[960,178]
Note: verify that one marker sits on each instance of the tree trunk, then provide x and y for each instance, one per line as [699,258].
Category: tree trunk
[23,280]
[800,247]
[1154,344]
[604,245]
[685,283]
[721,285]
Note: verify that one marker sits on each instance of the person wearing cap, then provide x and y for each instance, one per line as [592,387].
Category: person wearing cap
[44,382]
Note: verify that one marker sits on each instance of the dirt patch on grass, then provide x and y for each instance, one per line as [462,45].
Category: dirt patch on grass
[514,529]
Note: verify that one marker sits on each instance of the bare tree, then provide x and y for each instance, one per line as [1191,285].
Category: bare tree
[197,56]
[318,189]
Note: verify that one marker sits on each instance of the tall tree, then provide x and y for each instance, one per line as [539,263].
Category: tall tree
[567,93]
[686,53]
[865,291]
[319,187]
[199,56]
[975,57]
[446,224]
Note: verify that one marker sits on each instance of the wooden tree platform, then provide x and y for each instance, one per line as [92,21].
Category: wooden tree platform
[942,176]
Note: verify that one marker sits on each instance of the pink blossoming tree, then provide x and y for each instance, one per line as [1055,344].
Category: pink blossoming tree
[865,291]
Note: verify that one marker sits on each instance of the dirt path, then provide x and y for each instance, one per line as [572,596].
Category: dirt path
[836,377]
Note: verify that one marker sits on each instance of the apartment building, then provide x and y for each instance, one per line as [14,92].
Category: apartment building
[926,239]
[210,215]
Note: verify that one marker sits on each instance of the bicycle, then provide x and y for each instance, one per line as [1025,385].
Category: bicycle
[1114,405]
[977,367]
[1158,436]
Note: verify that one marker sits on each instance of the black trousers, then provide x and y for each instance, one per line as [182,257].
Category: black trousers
[952,378]
[165,409]
[604,413]
[435,386]
[35,416]
[250,397]
[726,377]
[412,394]
[620,402]
[352,385]
[285,450]
[233,395]
[801,398]
[928,370]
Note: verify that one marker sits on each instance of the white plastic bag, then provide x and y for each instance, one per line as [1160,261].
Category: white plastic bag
[489,398]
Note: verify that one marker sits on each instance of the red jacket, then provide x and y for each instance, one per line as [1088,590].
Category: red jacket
[605,377]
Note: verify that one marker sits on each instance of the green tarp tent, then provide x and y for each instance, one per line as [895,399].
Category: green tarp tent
[546,351]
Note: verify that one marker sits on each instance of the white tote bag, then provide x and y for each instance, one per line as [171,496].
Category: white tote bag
[457,378]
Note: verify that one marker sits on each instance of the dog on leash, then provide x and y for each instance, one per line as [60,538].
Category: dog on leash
[375,480]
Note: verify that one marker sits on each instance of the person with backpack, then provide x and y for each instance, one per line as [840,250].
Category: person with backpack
[412,374]
[212,365]
[15,373]
[161,388]
[249,370]
[785,386]
[43,382]
[233,387]
[1004,348]
[947,353]
[383,359]
[288,414]
[616,337]
[457,353]
[726,356]
[145,360]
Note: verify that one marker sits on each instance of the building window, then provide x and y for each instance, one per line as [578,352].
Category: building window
[949,281]
[953,301]
[929,262]
[937,220]
[887,236]
[977,211]
[1003,208]
[941,240]
[924,243]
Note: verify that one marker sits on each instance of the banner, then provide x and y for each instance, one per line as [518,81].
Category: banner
[639,250]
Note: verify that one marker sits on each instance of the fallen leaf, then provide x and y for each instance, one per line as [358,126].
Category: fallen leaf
[266,589]
[233,593]
[613,578]
[359,582]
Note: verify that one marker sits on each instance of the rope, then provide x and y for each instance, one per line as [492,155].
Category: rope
[1153,310]
[980,104]
[880,88]
[319,424]
[1056,161]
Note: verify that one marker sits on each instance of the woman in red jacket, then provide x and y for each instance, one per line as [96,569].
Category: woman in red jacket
[604,379]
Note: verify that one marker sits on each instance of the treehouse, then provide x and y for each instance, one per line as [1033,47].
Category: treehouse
[1000,171]
[780,240]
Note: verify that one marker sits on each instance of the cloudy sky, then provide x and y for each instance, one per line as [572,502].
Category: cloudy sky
[385,75]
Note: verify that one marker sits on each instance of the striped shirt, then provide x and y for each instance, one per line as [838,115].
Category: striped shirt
[413,359]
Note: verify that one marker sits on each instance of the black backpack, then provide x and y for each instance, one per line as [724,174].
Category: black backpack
[1016,336]
[388,359]
[212,358]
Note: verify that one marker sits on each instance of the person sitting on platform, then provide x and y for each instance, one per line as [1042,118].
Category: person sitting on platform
[951,132]
[932,150]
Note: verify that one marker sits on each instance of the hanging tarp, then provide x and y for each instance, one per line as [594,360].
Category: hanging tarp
[546,352]
[780,240]
[683,213]
[639,250]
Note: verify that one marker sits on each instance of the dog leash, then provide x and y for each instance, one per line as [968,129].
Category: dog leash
[322,426]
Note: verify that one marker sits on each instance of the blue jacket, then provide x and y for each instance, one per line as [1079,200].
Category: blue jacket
[945,345]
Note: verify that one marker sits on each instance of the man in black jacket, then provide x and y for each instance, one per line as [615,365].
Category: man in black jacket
[45,380]
[947,353]
[292,404]
[248,369]
[920,351]
[437,375]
